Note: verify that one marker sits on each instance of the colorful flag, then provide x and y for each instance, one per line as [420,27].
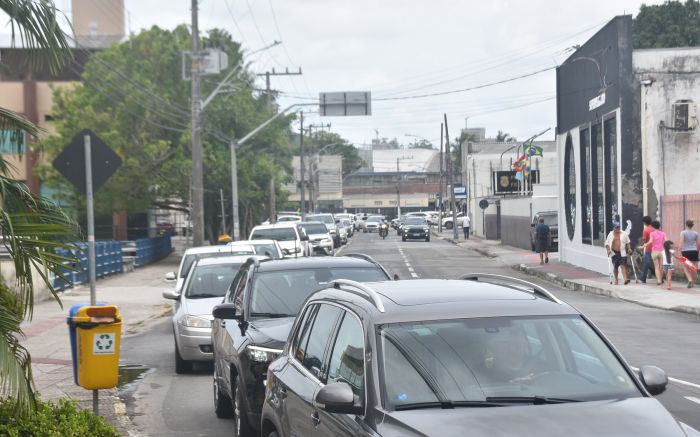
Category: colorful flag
[519,176]
[532,150]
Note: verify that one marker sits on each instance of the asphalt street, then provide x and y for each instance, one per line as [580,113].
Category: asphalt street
[163,403]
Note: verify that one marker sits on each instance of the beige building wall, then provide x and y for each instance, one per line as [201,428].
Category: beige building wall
[98,23]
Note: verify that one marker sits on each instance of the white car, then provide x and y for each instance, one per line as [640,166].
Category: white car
[347,224]
[201,252]
[447,221]
[372,223]
[290,236]
[288,218]
[426,215]
[319,237]
[205,287]
[269,248]
[331,224]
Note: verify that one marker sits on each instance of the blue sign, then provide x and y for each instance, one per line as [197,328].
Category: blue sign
[460,191]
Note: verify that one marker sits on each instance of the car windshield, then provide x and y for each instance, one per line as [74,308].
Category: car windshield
[288,219]
[315,228]
[491,359]
[279,234]
[415,221]
[549,220]
[211,281]
[326,218]
[191,258]
[267,249]
[283,292]
[374,219]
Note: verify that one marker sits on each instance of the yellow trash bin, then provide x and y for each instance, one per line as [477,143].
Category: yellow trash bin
[95,339]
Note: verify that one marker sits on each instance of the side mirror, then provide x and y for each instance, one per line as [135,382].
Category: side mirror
[170,276]
[171,294]
[654,379]
[304,237]
[225,311]
[337,397]
[396,277]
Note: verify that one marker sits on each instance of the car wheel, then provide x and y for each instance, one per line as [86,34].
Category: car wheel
[181,365]
[427,240]
[223,407]
[240,415]
[448,225]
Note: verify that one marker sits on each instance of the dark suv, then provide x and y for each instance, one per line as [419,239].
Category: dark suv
[253,322]
[482,356]
[550,219]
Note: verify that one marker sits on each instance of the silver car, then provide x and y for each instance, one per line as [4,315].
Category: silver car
[205,286]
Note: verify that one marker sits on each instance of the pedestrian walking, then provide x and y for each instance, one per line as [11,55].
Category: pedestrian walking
[646,261]
[618,246]
[542,238]
[466,224]
[690,244]
[667,256]
[657,238]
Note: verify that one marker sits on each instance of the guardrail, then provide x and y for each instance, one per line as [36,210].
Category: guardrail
[111,257]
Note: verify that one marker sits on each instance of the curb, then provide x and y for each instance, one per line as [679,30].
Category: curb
[575,286]
[484,252]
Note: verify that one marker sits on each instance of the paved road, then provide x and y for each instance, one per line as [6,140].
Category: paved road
[181,405]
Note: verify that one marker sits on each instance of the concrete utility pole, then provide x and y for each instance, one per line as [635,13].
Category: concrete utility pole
[301,167]
[450,178]
[273,200]
[441,178]
[398,190]
[223,212]
[267,74]
[197,211]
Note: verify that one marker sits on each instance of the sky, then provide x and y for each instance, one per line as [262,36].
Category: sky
[419,59]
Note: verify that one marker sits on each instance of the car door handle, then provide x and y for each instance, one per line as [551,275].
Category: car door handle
[316,419]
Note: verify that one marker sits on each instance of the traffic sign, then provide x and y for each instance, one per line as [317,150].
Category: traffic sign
[71,162]
[483,204]
[343,104]
[460,191]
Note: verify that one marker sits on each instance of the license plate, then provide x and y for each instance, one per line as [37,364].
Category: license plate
[555,240]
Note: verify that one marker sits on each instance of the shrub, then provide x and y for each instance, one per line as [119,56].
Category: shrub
[62,419]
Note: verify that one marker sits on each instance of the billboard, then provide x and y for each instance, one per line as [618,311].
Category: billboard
[506,182]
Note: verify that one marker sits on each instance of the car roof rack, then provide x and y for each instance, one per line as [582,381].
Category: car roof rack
[496,279]
[367,291]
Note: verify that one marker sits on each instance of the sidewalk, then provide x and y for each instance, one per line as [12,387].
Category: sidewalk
[138,296]
[679,299]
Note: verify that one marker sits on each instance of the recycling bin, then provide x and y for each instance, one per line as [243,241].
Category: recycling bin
[95,333]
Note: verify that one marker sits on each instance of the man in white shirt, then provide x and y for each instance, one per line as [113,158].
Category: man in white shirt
[466,223]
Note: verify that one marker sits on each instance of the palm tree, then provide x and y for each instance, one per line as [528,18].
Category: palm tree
[31,227]
[504,137]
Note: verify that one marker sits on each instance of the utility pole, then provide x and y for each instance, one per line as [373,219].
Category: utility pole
[223,212]
[273,200]
[449,176]
[440,183]
[197,211]
[301,167]
[398,190]
[267,74]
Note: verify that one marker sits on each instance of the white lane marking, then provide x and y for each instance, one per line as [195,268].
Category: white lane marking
[405,261]
[410,269]
[677,381]
[692,399]
[413,275]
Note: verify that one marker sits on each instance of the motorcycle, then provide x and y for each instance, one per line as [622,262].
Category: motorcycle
[383,230]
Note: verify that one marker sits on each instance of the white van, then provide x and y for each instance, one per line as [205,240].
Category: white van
[290,235]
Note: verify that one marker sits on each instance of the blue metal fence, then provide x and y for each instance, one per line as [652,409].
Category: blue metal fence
[108,259]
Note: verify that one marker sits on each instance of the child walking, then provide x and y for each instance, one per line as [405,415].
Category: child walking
[668,262]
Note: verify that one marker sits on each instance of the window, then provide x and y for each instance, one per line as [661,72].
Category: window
[611,191]
[302,335]
[586,208]
[315,347]
[597,178]
[211,281]
[347,358]
[279,234]
[570,187]
[12,142]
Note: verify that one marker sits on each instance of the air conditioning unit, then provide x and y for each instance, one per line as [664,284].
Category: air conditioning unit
[684,115]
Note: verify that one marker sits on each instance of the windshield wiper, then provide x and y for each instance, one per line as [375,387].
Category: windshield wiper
[272,315]
[204,295]
[535,400]
[448,405]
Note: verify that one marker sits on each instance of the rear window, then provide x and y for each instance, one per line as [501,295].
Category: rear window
[283,292]
[326,218]
[279,234]
[415,221]
[267,249]
[549,220]
[211,281]
[190,259]
[315,228]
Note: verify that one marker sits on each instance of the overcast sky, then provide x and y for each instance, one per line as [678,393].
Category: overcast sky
[406,48]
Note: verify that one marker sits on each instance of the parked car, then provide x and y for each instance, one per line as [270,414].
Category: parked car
[415,227]
[331,224]
[447,221]
[551,220]
[347,224]
[205,286]
[194,253]
[253,322]
[319,237]
[483,356]
[288,218]
[269,248]
[426,215]
[290,236]
[372,223]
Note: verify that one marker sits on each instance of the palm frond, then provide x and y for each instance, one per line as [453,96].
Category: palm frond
[35,23]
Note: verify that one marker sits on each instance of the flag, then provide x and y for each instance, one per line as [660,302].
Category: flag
[519,176]
[691,265]
[533,150]
[519,163]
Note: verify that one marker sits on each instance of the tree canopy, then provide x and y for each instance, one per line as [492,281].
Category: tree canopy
[671,24]
[134,98]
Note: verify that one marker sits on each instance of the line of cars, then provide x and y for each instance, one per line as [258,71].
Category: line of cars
[334,346]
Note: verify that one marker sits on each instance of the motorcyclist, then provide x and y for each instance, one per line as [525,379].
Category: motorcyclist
[383,228]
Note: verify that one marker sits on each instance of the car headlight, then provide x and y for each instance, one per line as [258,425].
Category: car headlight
[426,228]
[326,241]
[195,322]
[262,354]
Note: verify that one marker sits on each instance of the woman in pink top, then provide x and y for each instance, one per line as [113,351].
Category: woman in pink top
[656,241]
